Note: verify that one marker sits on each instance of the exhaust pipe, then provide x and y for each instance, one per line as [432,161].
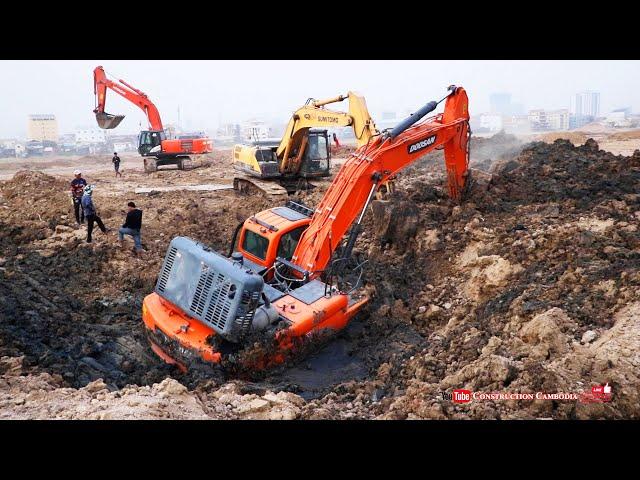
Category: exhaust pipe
[107,121]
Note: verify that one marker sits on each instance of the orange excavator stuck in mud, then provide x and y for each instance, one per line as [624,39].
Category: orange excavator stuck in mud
[290,274]
[153,144]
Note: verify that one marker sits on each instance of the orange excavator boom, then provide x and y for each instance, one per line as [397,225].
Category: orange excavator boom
[135,96]
[372,165]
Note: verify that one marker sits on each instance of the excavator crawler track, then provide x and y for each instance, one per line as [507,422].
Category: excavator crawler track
[254,186]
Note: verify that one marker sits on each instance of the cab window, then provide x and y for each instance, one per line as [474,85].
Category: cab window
[289,242]
[317,148]
[255,244]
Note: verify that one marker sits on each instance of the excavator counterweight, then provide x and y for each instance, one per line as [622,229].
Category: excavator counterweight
[284,276]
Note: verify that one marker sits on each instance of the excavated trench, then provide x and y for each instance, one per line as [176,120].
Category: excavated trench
[553,227]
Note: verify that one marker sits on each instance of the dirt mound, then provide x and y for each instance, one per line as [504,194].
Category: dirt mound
[33,203]
[577,138]
[623,136]
[342,150]
[553,172]
[595,128]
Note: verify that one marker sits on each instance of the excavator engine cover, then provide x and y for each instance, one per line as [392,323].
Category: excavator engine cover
[108,121]
[221,293]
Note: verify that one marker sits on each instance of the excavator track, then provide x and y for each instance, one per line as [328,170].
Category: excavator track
[253,186]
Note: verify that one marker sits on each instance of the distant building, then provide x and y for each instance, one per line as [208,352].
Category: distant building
[42,127]
[540,120]
[618,118]
[516,124]
[558,119]
[255,130]
[500,103]
[584,108]
[124,147]
[491,122]
[90,135]
[34,148]
[626,110]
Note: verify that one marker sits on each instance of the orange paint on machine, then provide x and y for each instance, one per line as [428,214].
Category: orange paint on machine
[289,273]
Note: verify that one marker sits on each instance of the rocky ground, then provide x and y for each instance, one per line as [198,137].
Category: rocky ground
[530,285]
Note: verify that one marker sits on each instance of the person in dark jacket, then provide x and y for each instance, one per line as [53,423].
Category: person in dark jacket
[132,226]
[90,212]
[77,189]
[116,163]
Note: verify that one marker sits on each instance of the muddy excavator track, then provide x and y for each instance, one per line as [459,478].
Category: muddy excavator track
[254,186]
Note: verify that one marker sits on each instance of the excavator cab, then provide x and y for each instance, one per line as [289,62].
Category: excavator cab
[149,139]
[316,161]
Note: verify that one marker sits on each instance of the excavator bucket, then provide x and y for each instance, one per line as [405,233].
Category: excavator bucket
[108,121]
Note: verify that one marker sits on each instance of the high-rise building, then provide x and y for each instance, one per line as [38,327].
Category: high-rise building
[585,104]
[500,103]
[42,127]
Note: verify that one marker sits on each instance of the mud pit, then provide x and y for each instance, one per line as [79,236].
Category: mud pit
[531,285]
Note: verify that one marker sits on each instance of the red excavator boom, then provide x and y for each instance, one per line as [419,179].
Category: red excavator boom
[135,96]
[370,166]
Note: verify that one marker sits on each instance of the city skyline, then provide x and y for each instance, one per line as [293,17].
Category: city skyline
[216,92]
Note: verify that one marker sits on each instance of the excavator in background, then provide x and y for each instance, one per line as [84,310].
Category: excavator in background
[289,275]
[303,153]
[153,144]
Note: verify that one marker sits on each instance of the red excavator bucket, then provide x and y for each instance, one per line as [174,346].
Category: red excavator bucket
[106,120]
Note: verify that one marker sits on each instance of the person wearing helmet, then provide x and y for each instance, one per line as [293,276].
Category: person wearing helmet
[77,189]
[90,212]
[116,163]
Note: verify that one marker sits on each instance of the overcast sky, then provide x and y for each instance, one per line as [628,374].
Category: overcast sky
[213,92]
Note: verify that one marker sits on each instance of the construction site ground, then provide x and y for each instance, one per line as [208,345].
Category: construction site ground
[531,285]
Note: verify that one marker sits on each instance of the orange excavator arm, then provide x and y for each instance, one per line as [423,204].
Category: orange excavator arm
[135,96]
[371,165]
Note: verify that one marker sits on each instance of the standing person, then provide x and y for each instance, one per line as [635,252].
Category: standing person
[77,189]
[90,212]
[335,139]
[132,226]
[116,163]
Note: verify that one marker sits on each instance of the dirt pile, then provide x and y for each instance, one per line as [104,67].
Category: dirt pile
[530,285]
[45,396]
[73,309]
[513,285]
[577,138]
[32,203]
[623,136]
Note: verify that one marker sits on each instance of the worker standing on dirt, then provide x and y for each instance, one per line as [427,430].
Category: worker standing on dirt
[335,140]
[77,189]
[90,212]
[116,163]
[132,226]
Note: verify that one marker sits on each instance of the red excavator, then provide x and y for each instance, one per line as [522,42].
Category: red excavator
[153,144]
[285,278]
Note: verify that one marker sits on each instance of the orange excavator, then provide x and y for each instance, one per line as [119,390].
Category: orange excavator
[153,144]
[284,279]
